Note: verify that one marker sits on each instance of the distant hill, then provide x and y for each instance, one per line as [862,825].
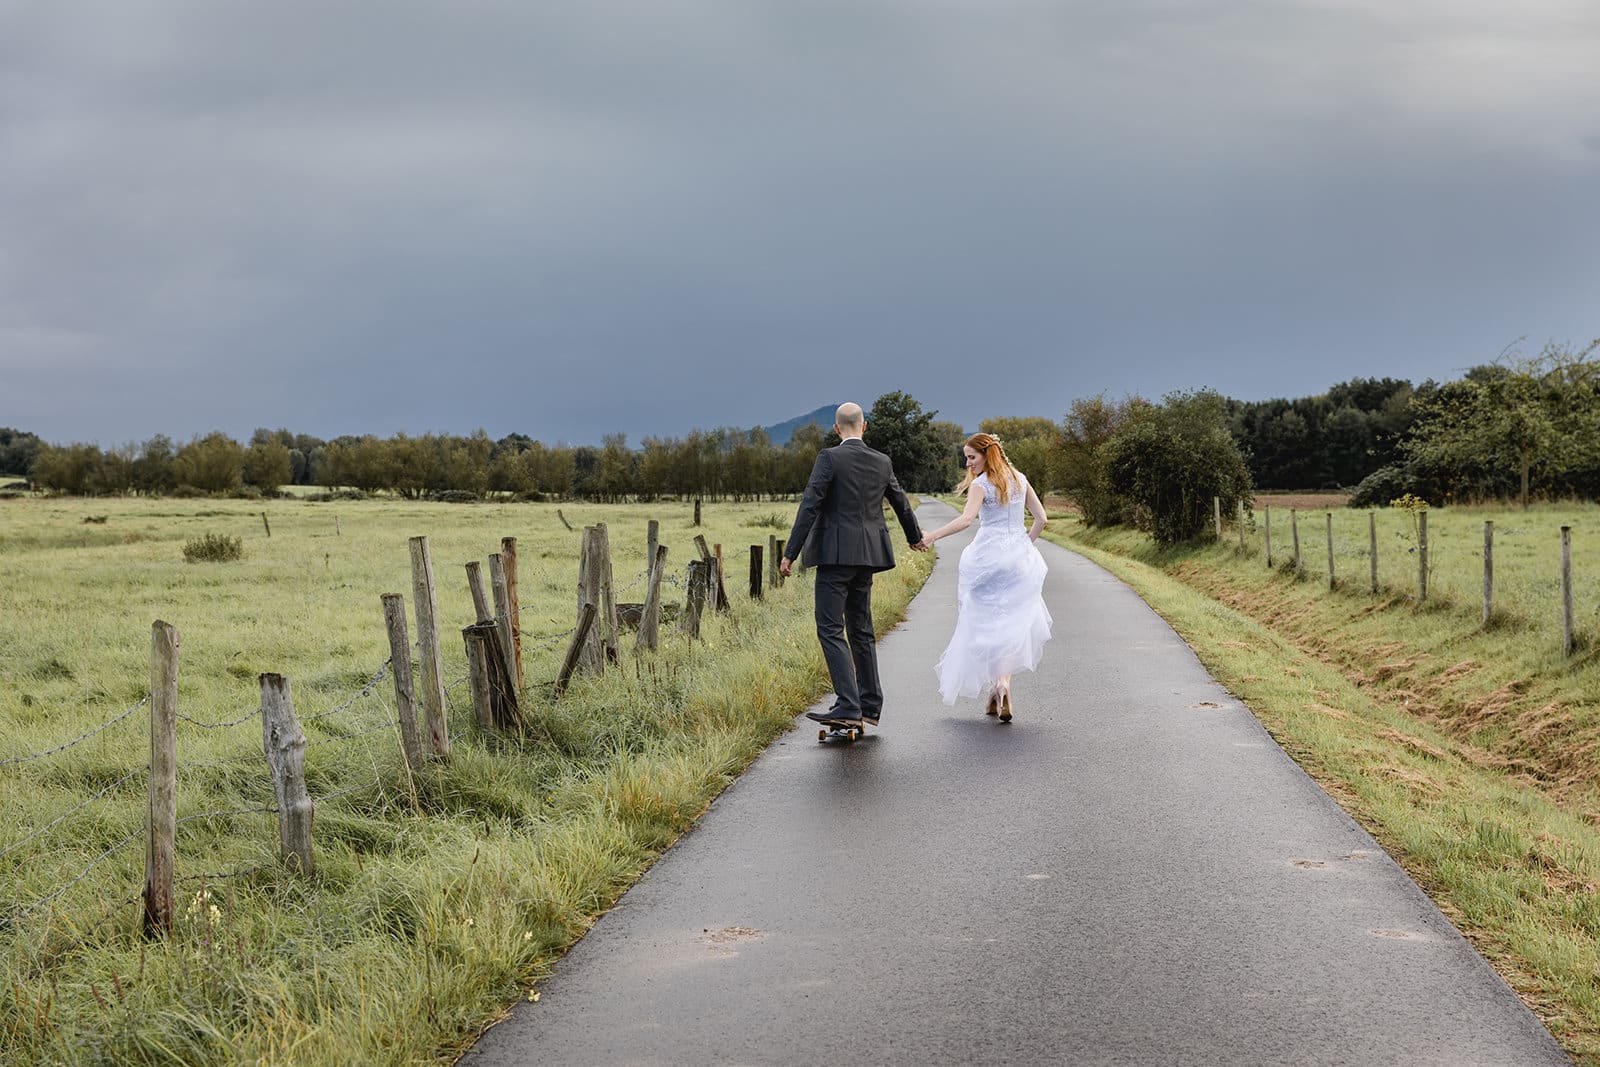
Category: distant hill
[781,433]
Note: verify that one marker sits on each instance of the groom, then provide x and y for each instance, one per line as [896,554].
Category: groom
[842,512]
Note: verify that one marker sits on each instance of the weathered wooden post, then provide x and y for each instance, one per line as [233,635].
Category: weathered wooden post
[429,660]
[1267,526]
[1422,557]
[719,588]
[266,524]
[580,638]
[694,596]
[494,700]
[508,559]
[1240,503]
[1216,514]
[394,620]
[502,613]
[701,547]
[650,617]
[1569,636]
[697,511]
[608,596]
[1372,548]
[755,572]
[652,538]
[774,550]
[1332,580]
[480,599]
[336,531]
[161,850]
[1294,533]
[285,746]
[1488,571]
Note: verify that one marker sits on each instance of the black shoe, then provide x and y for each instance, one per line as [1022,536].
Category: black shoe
[870,717]
[833,718]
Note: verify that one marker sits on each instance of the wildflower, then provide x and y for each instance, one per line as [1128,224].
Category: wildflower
[533,998]
[528,936]
[215,915]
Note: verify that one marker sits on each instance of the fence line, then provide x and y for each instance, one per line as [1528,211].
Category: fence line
[124,780]
[102,728]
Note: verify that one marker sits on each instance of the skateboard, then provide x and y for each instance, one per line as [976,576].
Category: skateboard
[842,733]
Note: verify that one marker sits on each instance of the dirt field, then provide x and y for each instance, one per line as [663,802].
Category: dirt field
[1302,501]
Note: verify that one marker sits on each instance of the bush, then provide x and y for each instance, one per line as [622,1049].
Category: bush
[1169,464]
[214,548]
[337,494]
[1382,486]
[244,492]
[455,496]
[770,520]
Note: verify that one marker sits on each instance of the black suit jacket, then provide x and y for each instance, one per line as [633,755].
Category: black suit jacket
[840,520]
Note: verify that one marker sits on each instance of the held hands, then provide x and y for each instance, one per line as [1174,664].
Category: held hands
[923,545]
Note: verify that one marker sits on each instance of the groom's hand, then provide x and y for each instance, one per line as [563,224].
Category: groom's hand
[783,566]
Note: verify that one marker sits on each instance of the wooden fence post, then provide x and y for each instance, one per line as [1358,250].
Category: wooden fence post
[650,617]
[1240,502]
[508,559]
[1488,571]
[756,579]
[161,850]
[502,613]
[694,596]
[719,587]
[1216,514]
[494,700]
[285,745]
[652,538]
[774,576]
[1332,580]
[266,524]
[1372,548]
[580,638]
[394,620]
[608,596]
[429,660]
[480,600]
[697,511]
[1422,557]
[1294,531]
[1569,636]
[1267,526]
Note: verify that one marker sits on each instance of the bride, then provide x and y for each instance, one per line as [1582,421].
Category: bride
[1002,621]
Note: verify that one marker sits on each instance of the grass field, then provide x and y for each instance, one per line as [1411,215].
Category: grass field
[434,902]
[1472,754]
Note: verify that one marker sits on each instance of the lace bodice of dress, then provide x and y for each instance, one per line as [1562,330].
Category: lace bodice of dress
[997,518]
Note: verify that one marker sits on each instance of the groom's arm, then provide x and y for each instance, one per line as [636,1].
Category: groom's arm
[810,504]
[903,510]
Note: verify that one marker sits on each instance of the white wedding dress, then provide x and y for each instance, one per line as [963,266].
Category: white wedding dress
[1002,621]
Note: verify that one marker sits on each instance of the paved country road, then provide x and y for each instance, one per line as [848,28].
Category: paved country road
[1131,872]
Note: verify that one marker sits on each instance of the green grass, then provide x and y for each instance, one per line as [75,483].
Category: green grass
[434,902]
[1471,754]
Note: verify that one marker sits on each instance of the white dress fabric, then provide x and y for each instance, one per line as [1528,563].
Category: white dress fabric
[1002,622]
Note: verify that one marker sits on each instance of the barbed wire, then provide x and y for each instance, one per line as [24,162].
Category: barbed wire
[9,849]
[269,809]
[222,876]
[246,717]
[79,739]
[386,724]
[255,757]
[368,688]
[113,850]
[347,791]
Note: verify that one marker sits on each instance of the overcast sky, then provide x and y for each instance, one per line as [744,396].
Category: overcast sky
[567,219]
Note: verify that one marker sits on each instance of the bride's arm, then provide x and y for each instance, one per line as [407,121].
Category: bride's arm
[961,521]
[1036,509]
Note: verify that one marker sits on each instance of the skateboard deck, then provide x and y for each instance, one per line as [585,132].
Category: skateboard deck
[842,732]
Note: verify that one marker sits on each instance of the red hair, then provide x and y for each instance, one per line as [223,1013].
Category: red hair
[999,469]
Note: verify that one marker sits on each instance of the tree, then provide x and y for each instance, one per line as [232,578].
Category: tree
[213,463]
[1170,463]
[67,469]
[899,428]
[152,471]
[18,450]
[1087,431]
[267,464]
[1529,419]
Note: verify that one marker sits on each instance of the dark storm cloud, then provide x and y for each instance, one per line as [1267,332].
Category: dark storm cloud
[565,219]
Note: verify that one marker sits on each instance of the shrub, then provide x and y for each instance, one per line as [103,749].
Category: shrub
[1169,464]
[1383,485]
[770,520]
[214,548]
[455,496]
[244,492]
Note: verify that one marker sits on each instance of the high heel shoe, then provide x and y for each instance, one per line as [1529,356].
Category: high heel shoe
[994,703]
[1005,706]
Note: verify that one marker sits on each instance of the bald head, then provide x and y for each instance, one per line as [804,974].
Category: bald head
[849,421]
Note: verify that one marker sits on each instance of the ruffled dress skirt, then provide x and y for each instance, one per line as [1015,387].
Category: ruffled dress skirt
[1002,622]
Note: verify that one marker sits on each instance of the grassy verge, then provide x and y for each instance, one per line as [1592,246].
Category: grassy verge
[1470,754]
[434,902]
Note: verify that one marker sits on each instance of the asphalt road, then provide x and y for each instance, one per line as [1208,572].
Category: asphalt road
[1131,872]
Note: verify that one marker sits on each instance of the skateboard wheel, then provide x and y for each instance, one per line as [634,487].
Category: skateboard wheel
[822,735]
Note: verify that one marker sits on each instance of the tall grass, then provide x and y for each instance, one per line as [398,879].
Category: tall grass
[435,901]
[1472,754]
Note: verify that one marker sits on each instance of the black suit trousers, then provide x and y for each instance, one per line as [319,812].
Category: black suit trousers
[844,608]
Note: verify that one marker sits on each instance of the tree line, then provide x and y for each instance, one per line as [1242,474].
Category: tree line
[741,464]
